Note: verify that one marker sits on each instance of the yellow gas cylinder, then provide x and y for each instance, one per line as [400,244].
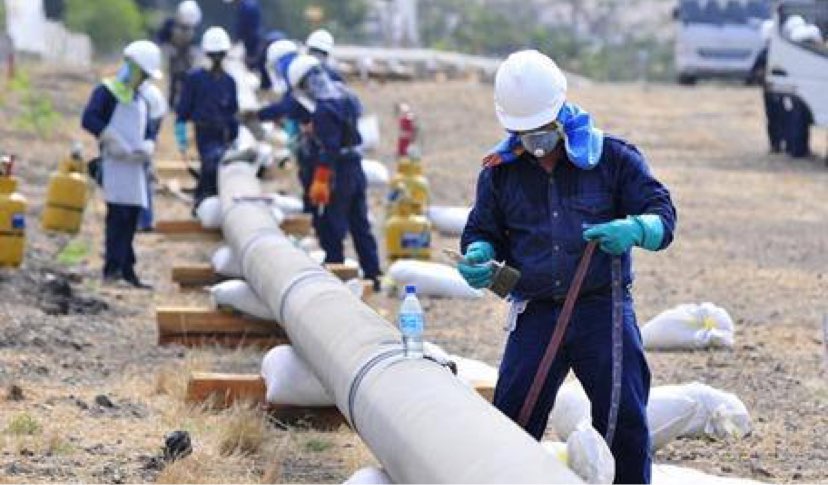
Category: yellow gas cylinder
[12,223]
[66,196]
[410,180]
[408,233]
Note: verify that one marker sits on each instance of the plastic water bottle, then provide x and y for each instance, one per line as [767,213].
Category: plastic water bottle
[412,324]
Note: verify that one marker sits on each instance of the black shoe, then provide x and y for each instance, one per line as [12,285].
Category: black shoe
[376,281]
[137,283]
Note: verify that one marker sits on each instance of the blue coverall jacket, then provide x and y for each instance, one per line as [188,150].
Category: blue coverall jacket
[249,29]
[210,101]
[337,138]
[536,222]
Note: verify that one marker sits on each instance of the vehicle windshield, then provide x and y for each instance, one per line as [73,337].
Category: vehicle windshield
[717,12]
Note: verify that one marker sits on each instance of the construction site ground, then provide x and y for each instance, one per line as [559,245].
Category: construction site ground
[87,395]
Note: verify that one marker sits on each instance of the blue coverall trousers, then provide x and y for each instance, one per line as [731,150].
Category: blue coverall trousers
[212,144]
[587,350]
[348,211]
[775,114]
[121,223]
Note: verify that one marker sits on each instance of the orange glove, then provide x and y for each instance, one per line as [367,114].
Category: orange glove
[320,189]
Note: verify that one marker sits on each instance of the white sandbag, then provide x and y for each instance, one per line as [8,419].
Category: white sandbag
[225,262]
[209,212]
[668,414]
[288,204]
[277,214]
[369,130]
[239,295]
[676,475]
[369,476]
[689,327]
[375,172]
[449,220]
[572,407]
[558,450]
[289,380]
[319,257]
[308,244]
[589,456]
[719,414]
[432,279]
[473,371]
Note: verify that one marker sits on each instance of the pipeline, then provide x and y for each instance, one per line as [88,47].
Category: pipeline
[421,423]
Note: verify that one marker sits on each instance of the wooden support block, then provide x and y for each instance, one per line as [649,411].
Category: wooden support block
[343,271]
[295,225]
[186,230]
[220,391]
[196,275]
[172,169]
[205,326]
[298,225]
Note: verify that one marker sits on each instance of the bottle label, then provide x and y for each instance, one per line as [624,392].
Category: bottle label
[411,324]
[416,240]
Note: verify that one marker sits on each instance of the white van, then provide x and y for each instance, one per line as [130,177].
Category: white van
[719,38]
[799,70]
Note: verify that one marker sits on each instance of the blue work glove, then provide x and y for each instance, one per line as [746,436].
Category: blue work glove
[618,236]
[181,136]
[475,267]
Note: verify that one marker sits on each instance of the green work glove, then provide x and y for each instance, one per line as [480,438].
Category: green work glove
[618,236]
[475,267]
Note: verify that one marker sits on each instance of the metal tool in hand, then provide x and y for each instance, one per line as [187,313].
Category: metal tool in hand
[504,278]
[564,317]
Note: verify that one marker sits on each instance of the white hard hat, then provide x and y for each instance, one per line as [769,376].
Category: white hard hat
[279,49]
[321,40]
[300,67]
[189,13]
[155,99]
[215,40]
[806,33]
[530,90]
[147,56]
[792,23]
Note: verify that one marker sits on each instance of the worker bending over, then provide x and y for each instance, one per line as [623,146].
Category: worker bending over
[555,183]
[177,38]
[118,115]
[209,99]
[337,190]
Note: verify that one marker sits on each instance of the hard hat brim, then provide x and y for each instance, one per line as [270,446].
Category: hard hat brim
[527,123]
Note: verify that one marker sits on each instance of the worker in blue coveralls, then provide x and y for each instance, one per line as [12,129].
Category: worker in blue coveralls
[248,28]
[320,44]
[118,115]
[266,80]
[178,41]
[553,184]
[209,99]
[338,188]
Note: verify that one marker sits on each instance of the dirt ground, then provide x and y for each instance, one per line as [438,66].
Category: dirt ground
[87,395]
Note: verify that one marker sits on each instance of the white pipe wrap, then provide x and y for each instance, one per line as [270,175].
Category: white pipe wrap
[420,421]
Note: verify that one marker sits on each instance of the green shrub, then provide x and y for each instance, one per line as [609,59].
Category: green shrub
[23,424]
[110,23]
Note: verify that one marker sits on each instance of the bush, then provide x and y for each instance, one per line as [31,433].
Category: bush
[110,23]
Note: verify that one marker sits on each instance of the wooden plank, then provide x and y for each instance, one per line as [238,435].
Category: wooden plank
[222,390]
[172,169]
[343,271]
[196,275]
[295,225]
[202,327]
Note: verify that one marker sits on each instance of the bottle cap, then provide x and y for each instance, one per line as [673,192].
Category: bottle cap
[410,289]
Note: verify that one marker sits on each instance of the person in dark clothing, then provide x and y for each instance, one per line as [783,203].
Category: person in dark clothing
[338,187]
[119,116]
[555,183]
[209,99]
[177,38]
[248,28]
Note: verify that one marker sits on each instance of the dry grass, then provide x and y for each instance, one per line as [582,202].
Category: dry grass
[243,430]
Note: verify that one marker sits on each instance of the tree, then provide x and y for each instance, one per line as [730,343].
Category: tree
[110,23]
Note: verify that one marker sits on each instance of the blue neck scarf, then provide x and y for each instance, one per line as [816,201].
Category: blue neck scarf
[583,142]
